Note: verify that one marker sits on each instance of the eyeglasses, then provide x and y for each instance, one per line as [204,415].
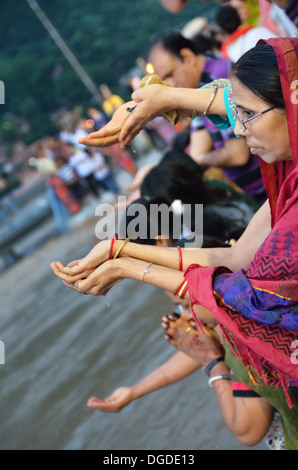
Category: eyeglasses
[243,129]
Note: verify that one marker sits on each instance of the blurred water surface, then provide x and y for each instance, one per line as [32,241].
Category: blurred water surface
[62,347]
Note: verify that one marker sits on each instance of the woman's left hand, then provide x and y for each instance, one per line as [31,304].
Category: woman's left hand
[99,281]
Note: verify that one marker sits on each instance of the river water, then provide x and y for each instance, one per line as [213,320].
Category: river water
[62,347]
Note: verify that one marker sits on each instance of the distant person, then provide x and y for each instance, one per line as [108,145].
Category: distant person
[290,7]
[111,102]
[98,117]
[102,173]
[82,163]
[239,37]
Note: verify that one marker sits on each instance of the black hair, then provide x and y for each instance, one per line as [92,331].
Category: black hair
[228,19]
[178,176]
[173,42]
[138,218]
[205,43]
[258,70]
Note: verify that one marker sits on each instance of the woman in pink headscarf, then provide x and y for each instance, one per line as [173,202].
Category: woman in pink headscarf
[251,288]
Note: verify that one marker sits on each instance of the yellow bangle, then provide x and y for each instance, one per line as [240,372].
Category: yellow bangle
[210,102]
[120,248]
[183,288]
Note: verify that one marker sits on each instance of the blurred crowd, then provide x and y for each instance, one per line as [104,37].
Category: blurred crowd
[202,51]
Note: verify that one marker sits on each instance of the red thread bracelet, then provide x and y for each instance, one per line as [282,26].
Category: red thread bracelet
[115,237]
[180,259]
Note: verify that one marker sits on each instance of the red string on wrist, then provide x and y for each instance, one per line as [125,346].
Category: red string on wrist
[180,259]
[115,237]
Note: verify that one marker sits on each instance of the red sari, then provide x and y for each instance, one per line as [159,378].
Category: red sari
[257,308]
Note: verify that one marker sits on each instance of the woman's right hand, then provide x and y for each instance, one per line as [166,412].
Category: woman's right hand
[152,101]
[109,134]
[114,403]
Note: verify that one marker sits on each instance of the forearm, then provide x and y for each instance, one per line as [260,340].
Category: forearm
[198,100]
[149,273]
[247,418]
[155,100]
[176,368]
[169,257]
[239,256]
[233,153]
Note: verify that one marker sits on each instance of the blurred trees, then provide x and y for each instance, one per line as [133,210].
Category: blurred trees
[105,36]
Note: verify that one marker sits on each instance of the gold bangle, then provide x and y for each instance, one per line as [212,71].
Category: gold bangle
[210,102]
[182,289]
[120,248]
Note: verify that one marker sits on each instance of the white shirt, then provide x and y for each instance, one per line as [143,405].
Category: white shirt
[247,41]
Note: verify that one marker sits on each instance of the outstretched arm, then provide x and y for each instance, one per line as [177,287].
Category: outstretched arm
[176,368]
[96,273]
[152,101]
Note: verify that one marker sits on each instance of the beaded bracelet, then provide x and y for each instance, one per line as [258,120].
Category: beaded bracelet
[115,237]
[218,377]
[120,248]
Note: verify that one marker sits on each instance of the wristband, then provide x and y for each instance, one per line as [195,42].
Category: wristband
[212,364]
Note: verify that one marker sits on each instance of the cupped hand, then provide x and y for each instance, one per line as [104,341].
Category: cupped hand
[82,268]
[98,282]
[114,403]
[109,134]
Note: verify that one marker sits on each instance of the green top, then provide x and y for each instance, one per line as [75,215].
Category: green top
[274,395]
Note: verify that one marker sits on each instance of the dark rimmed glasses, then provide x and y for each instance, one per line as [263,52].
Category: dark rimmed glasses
[243,128]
